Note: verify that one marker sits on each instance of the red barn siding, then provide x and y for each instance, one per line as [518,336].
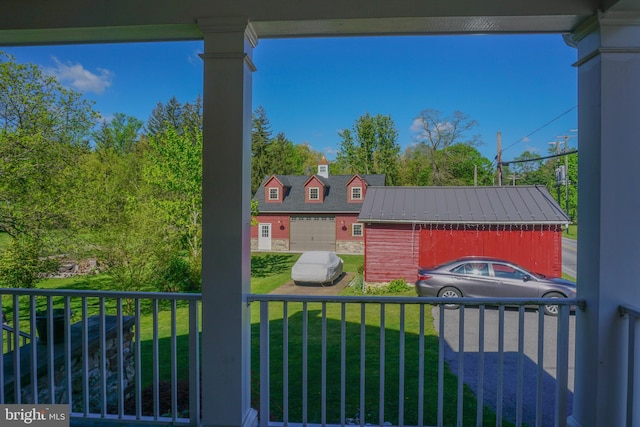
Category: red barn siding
[345,221]
[391,252]
[538,249]
[279,230]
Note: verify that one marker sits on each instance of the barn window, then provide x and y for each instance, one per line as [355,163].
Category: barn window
[314,193]
[356,193]
[356,230]
[273,193]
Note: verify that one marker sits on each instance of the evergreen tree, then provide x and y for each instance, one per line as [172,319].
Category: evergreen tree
[260,139]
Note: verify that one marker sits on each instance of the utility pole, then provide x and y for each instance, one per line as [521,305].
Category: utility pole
[499,158]
[475,175]
[566,174]
[563,175]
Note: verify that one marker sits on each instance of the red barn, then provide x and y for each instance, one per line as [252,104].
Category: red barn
[317,212]
[407,227]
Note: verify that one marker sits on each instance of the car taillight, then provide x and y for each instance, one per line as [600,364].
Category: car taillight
[422,276]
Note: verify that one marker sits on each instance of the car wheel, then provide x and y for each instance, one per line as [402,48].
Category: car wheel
[552,309]
[450,292]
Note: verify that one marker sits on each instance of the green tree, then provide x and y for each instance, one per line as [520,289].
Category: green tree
[260,139]
[463,161]
[415,167]
[560,189]
[174,173]
[44,129]
[435,134]
[370,147]
[530,170]
[282,155]
[306,159]
[185,117]
[120,134]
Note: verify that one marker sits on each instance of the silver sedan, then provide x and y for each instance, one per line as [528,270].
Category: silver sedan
[485,277]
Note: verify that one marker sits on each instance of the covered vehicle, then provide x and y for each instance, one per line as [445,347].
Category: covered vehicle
[486,277]
[317,267]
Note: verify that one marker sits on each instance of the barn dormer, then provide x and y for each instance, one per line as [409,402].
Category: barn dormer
[315,189]
[356,189]
[275,189]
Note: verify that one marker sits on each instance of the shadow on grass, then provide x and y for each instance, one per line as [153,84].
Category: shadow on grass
[270,264]
[395,405]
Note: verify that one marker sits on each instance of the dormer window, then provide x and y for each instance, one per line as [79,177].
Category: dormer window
[356,193]
[314,193]
[274,193]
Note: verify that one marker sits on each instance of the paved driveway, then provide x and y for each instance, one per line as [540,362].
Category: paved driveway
[510,370]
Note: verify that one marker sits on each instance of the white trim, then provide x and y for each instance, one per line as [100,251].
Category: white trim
[318,190]
[352,193]
[277,190]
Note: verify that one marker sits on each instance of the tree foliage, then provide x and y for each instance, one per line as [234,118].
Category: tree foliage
[130,193]
[370,147]
[174,172]
[276,155]
[435,134]
[44,129]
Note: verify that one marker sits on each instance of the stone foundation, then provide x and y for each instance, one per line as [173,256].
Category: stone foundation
[349,247]
[93,373]
[342,246]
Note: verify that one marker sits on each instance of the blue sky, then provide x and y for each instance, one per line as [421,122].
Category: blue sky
[313,88]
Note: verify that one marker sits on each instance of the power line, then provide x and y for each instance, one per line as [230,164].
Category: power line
[564,153]
[541,127]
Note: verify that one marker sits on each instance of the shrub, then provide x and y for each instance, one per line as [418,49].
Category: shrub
[22,264]
[177,276]
[394,287]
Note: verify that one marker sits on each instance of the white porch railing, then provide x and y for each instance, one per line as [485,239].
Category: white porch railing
[317,360]
[378,361]
[114,355]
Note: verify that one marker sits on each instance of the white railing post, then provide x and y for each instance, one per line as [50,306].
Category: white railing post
[264,365]
[194,364]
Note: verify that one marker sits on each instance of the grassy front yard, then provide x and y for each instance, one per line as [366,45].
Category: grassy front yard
[269,271]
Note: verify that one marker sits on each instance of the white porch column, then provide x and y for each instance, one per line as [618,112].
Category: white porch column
[609,211]
[226,184]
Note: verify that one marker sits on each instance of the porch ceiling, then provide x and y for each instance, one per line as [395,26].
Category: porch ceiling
[80,21]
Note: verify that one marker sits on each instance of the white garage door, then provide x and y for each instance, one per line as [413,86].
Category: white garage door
[313,233]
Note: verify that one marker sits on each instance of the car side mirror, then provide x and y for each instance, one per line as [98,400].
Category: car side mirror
[526,278]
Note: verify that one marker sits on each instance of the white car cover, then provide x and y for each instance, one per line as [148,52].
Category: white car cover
[317,267]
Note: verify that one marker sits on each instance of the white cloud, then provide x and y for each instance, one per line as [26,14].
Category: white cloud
[417,125]
[80,78]
[331,151]
[425,131]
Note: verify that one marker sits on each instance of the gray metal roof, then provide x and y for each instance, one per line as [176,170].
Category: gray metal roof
[451,205]
[294,201]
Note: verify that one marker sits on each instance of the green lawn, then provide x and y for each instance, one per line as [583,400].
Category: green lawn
[270,271]
[571,232]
